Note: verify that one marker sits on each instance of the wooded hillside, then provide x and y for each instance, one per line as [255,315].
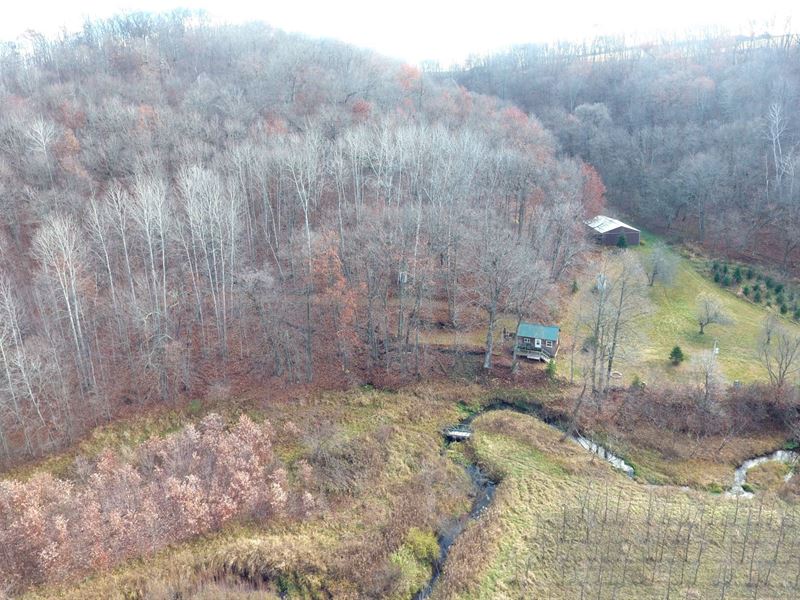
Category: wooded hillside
[681,131]
[185,203]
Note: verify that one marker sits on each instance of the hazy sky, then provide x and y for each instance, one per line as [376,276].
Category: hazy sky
[415,30]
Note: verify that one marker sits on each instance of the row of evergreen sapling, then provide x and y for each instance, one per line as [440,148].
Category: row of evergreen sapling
[758,288]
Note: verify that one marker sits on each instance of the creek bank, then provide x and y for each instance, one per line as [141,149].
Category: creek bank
[484,486]
[556,422]
[787,457]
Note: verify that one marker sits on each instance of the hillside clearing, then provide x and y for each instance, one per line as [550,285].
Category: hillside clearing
[672,322]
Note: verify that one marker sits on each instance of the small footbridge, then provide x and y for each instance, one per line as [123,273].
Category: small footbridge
[457,433]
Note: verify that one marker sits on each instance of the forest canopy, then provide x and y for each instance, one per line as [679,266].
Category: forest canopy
[185,202]
[679,130]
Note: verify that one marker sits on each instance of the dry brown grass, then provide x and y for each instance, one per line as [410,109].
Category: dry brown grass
[768,476]
[666,457]
[378,473]
[566,526]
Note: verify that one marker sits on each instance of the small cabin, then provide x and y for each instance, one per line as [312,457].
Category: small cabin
[608,231]
[537,342]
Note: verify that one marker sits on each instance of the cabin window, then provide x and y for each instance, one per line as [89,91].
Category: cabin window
[537,343]
[549,343]
[526,340]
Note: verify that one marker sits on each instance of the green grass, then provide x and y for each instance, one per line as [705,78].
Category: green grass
[673,323]
[564,525]
[415,559]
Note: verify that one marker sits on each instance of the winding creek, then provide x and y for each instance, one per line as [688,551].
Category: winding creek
[787,457]
[485,487]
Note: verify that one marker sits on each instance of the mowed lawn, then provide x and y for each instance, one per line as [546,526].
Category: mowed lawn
[672,322]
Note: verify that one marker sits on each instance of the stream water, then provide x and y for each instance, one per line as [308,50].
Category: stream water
[484,492]
[788,457]
[484,487]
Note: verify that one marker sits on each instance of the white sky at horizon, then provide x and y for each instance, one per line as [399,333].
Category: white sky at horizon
[445,31]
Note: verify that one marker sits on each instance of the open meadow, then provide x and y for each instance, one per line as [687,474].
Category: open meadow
[671,321]
[565,525]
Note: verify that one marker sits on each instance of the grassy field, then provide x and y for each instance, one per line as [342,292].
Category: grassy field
[383,488]
[672,322]
[387,487]
[563,525]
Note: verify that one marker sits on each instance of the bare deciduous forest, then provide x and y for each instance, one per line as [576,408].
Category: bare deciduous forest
[187,203]
[696,137]
[248,279]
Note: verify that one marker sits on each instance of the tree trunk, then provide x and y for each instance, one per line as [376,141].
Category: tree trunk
[487,360]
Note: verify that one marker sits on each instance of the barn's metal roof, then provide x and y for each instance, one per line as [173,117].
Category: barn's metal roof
[535,330]
[603,224]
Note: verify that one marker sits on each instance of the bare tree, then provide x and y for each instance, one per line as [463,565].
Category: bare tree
[596,309]
[709,311]
[629,303]
[149,211]
[708,378]
[497,258]
[779,352]
[660,265]
[557,233]
[782,158]
[17,365]
[303,163]
[41,135]
[211,243]
[97,222]
[612,310]
[528,293]
[118,203]
[59,247]
[698,178]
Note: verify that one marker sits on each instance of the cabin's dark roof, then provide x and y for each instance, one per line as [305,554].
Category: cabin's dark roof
[535,330]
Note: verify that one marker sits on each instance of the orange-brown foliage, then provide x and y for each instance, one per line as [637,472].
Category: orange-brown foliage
[186,484]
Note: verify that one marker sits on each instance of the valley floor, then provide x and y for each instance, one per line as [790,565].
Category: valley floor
[565,526]
[562,523]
